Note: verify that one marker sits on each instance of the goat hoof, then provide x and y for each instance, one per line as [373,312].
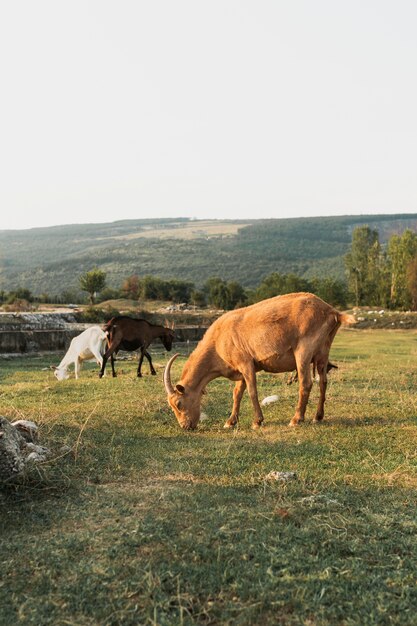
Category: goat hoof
[256,425]
[153,373]
[229,426]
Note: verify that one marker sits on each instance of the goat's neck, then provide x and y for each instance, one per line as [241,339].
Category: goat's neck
[199,370]
[66,361]
[156,331]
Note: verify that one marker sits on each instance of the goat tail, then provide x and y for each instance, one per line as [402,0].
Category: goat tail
[346,319]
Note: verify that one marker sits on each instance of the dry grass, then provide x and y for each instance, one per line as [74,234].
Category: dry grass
[186,230]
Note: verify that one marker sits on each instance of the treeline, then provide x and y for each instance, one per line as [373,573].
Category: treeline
[215,292]
[383,275]
[231,294]
[380,275]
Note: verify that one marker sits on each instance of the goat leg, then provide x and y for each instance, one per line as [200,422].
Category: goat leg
[238,391]
[306,383]
[322,371]
[148,356]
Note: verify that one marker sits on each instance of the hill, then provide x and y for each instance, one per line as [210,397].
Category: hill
[51,259]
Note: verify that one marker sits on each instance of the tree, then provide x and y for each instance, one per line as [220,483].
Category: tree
[217,293]
[179,290]
[412,282]
[278,284]
[225,295]
[92,282]
[152,288]
[237,294]
[109,293]
[131,287]
[198,297]
[401,250]
[21,293]
[330,290]
[363,265]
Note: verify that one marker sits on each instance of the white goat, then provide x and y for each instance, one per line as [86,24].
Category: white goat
[91,344]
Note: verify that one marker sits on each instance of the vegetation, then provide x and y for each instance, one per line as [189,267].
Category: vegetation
[145,524]
[50,259]
[380,264]
[93,282]
[383,277]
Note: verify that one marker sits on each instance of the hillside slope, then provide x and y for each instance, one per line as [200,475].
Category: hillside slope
[51,259]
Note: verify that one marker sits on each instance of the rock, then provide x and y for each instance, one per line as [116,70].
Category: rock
[28,429]
[16,449]
[318,499]
[12,451]
[269,400]
[282,476]
[41,451]
[36,457]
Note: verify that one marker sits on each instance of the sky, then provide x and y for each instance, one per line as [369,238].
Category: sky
[223,109]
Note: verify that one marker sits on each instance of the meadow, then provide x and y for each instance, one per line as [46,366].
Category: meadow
[142,523]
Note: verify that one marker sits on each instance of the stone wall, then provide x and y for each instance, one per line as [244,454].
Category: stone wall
[22,333]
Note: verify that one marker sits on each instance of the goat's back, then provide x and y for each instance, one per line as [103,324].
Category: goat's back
[125,327]
[274,326]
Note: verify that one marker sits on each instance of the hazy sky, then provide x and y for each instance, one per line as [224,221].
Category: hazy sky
[216,108]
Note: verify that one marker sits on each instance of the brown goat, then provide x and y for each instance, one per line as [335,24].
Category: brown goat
[127,333]
[280,334]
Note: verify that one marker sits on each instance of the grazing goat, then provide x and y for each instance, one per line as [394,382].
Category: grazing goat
[127,333]
[91,344]
[276,335]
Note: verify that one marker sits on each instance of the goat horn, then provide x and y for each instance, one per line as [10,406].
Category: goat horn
[167,376]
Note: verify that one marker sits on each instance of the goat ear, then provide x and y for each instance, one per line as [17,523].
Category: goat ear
[53,367]
[180,389]
[332,366]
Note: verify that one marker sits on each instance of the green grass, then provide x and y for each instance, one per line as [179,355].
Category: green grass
[145,524]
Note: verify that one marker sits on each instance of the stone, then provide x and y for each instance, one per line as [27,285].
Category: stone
[282,476]
[12,451]
[269,400]
[16,449]
[28,429]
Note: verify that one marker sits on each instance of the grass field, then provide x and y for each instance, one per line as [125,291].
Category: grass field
[145,524]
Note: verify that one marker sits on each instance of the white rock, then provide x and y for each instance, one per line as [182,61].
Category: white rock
[28,429]
[318,499]
[35,457]
[269,400]
[283,476]
[37,453]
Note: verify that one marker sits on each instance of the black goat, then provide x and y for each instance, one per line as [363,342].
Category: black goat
[127,333]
